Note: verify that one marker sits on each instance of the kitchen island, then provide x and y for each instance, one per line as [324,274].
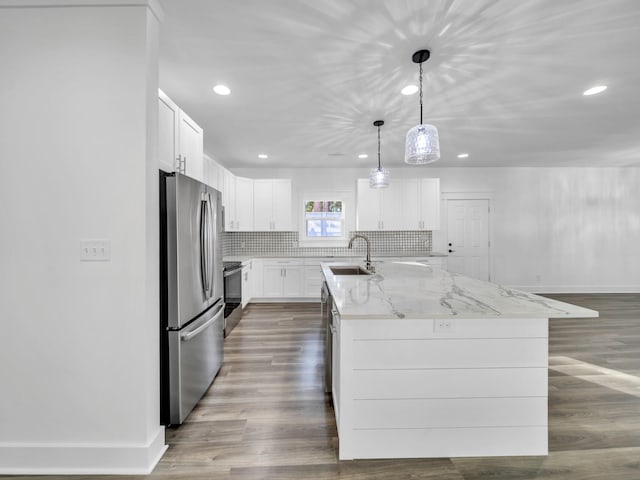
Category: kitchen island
[428,363]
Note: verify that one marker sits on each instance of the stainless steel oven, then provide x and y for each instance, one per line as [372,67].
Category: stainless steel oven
[232,295]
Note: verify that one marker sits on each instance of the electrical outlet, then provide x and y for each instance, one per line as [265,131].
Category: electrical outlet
[95,250]
[444,325]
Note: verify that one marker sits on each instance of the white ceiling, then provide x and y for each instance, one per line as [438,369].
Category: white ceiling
[504,82]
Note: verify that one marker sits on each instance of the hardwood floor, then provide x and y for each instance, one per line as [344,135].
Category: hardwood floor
[266,415]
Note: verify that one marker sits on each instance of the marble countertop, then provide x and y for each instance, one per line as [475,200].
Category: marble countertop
[412,290]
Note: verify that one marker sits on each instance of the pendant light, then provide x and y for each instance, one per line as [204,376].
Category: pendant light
[379,177]
[422,145]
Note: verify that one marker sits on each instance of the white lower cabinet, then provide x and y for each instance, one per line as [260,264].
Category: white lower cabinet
[335,365]
[282,278]
[247,282]
[313,277]
[299,279]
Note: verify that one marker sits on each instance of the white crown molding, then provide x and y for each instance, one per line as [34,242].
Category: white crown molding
[153,5]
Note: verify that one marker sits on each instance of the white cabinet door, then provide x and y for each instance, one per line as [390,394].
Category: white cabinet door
[167,133]
[272,205]
[312,281]
[392,207]
[247,283]
[282,278]
[256,278]
[409,201]
[262,204]
[191,147]
[282,217]
[244,204]
[335,364]
[272,280]
[369,202]
[430,204]
[228,200]
[180,140]
[212,173]
[293,284]
[407,204]
[385,208]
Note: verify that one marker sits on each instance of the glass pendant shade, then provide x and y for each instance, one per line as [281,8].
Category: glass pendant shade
[379,178]
[422,145]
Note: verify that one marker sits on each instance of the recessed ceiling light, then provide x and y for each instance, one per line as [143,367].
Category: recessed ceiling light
[595,90]
[262,155]
[363,155]
[221,90]
[463,155]
[409,90]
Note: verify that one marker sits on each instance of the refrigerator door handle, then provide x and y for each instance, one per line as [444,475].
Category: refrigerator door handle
[210,246]
[185,337]
[204,247]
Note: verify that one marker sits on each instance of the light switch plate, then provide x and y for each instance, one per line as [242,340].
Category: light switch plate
[95,250]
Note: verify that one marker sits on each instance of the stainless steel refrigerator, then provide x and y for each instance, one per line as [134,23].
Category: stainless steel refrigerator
[191,293]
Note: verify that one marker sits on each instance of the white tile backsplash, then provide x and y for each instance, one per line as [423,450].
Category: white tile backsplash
[405,242]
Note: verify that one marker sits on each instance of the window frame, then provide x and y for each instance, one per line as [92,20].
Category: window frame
[334,241]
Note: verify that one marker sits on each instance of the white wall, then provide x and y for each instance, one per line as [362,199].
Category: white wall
[78,134]
[552,229]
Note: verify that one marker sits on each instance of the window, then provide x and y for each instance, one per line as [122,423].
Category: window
[324,219]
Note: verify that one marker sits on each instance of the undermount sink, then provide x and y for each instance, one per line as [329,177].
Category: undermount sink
[349,270]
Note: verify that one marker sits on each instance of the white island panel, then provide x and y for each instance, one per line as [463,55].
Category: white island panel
[449,383]
[432,364]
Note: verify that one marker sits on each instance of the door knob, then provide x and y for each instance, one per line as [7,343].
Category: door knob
[450,244]
[451,251]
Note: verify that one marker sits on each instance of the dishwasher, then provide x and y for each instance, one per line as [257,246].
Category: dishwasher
[326,304]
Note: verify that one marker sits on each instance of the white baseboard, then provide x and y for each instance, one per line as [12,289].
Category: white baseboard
[577,288]
[286,300]
[81,459]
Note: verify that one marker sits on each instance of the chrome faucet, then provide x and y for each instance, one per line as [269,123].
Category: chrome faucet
[368,262]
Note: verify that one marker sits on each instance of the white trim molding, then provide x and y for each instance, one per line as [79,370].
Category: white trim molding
[82,459]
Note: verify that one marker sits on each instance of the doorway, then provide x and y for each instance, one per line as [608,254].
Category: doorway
[468,237]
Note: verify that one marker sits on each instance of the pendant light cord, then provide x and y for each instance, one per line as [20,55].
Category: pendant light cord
[379,168]
[421,93]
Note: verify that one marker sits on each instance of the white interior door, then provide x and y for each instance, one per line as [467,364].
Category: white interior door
[468,238]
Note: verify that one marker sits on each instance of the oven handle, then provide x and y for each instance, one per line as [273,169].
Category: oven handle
[228,273]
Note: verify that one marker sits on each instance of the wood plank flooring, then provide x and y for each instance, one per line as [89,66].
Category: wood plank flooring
[266,415]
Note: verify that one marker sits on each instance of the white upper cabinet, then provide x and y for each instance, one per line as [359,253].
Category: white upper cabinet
[229,199]
[244,205]
[167,132]
[272,205]
[237,198]
[382,208]
[429,204]
[369,206]
[213,173]
[190,153]
[180,140]
[411,204]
